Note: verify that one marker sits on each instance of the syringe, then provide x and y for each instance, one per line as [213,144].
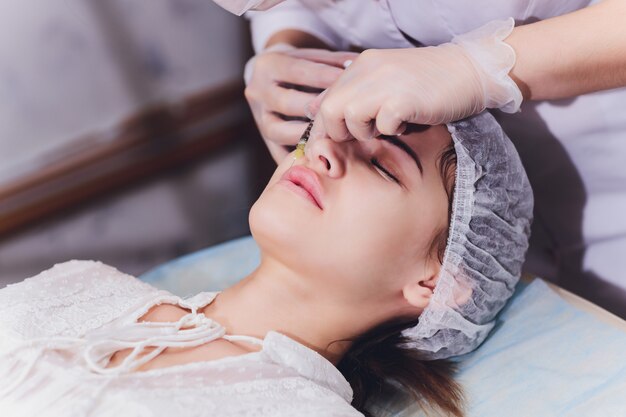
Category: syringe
[299,152]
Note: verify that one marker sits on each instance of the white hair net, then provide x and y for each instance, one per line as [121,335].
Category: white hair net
[488,238]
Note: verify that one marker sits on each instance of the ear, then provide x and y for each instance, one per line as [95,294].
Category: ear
[419,292]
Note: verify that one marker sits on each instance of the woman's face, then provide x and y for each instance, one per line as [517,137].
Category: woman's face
[338,217]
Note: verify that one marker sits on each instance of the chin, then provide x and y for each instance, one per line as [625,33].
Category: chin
[276,229]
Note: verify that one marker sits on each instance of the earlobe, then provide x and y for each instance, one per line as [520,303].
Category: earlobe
[418,293]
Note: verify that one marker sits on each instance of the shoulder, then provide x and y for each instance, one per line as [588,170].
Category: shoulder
[68,299]
[274,394]
[70,281]
[303,397]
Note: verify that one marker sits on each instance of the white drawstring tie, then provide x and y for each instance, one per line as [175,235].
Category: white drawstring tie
[99,345]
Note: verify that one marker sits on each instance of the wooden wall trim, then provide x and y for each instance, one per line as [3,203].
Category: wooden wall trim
[150,141]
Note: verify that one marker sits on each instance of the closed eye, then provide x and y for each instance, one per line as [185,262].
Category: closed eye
[383,171]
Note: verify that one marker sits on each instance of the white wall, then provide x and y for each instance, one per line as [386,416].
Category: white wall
[75,67]
[144,226]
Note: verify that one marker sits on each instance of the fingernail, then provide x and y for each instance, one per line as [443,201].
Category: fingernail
[347,63]
[308,113]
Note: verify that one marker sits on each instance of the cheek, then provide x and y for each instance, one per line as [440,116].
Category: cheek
[376,235]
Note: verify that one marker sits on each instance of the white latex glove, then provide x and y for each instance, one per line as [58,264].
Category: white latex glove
[275,80]
[384,89]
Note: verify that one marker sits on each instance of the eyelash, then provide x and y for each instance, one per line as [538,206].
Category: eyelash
[384,170]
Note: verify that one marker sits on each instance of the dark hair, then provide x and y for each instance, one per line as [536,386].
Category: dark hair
[376,362]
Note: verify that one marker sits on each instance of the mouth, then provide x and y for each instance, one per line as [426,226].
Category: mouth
[305,182]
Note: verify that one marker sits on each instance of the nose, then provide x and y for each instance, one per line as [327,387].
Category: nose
[326,156]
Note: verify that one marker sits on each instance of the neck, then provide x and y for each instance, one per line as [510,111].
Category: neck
[274,297]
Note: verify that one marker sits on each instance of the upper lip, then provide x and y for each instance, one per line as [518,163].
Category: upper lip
[305,178]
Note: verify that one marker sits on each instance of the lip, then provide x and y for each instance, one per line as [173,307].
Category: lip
[305,179]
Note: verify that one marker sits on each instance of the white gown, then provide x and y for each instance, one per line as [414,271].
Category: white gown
[59,328]
[574,150]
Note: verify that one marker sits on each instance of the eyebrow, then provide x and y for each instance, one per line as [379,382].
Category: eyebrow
[406,148]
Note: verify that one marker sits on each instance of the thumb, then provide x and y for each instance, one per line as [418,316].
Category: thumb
[314,105]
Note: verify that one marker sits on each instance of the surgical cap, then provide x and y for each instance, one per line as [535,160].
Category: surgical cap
[487,241]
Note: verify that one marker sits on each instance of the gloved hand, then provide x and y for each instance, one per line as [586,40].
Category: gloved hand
[383,90]
[281,81]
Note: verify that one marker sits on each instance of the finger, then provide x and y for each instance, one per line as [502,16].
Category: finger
[323,56]
[288,102]
[317,130]
[282,132]
[401,129]
[360,118]
[331,111]
[278,152]
[306,73]
[391,118]
[313,107]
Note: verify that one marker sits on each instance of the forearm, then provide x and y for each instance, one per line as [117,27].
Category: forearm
[296,38]
[292,22]
[573,54]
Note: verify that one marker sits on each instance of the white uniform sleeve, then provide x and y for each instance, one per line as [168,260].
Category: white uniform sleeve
[290,14]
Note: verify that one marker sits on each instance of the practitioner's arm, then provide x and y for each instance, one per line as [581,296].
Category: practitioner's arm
[573,54]
[494,66]
[296,38]
[292,23]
